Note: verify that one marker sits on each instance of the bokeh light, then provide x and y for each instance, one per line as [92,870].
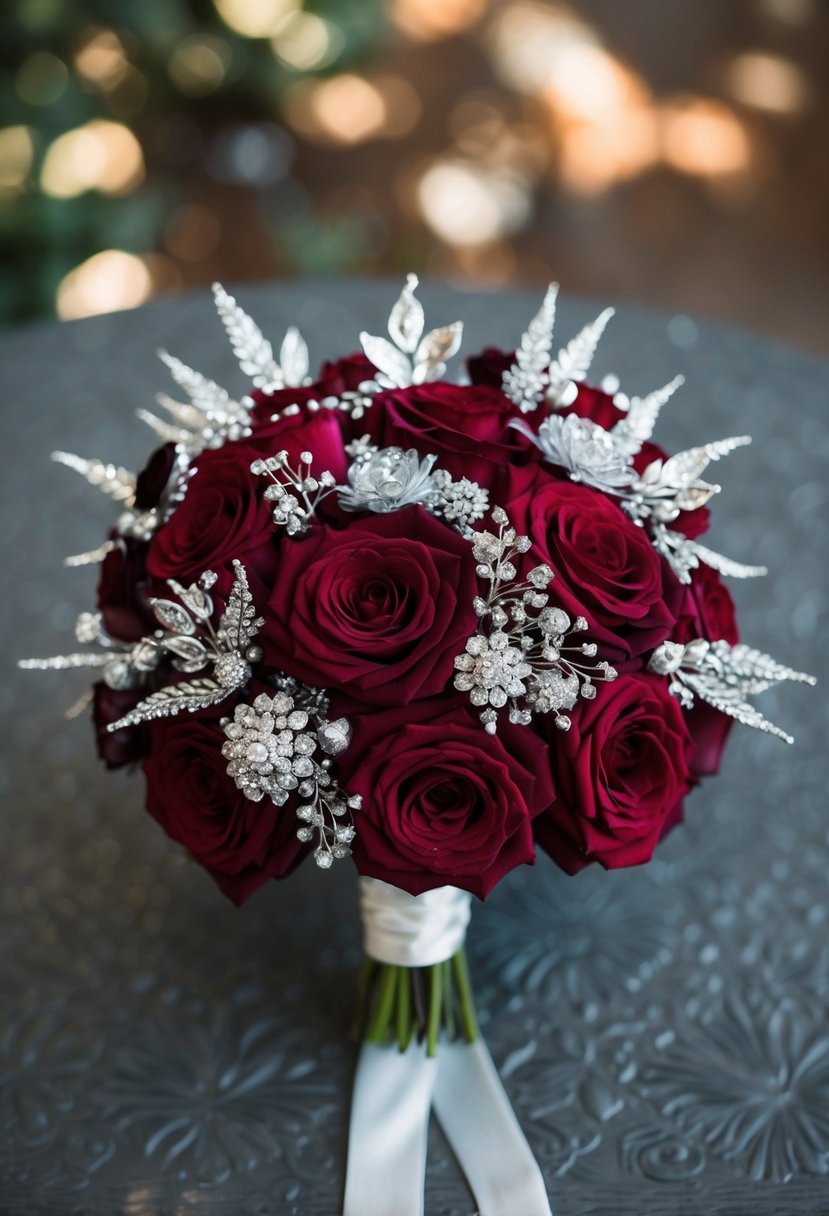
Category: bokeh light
[100,155]
[466,205]
[256,18]
[108,281]
[16,155]
[768,82]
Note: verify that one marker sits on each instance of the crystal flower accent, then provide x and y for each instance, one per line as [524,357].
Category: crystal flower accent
[520,656]
[387,479]
[725,677]
[295,493]
[273,748]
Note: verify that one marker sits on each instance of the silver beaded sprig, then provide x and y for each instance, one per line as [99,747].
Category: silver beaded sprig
[295,493]
[520,655]
[274,748]
[724,676]
[189,639]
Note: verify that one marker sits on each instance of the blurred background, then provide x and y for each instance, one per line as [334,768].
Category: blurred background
[674,153]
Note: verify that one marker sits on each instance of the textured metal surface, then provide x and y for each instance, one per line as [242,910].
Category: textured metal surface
[663,1033]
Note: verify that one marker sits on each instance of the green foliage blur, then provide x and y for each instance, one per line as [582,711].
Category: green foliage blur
[41,237]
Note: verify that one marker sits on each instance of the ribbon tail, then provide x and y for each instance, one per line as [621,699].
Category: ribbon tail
[486,1137]
[386,1169]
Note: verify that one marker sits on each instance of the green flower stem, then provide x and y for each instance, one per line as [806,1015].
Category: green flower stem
[448,998]
[395,1003]
[469,1021]
[435,1006]
[404,1004]
[387,986]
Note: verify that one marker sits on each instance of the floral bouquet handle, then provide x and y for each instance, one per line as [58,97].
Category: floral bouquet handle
[421,1051]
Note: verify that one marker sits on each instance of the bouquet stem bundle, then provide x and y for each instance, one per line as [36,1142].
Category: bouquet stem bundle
[396,1003]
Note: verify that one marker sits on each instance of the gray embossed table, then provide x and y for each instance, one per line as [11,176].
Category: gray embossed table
[663,1033]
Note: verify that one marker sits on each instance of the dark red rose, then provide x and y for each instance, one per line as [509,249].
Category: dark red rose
[242,844]
[595,404]
[344,375]
[120,747]
[223,516]
[443,801]
[707,612]
[605,567]
[153,478]
[467,428]
[378,610]
[489,366]
[620,774]
[123,590]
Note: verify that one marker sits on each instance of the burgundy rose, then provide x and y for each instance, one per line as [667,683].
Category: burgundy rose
[223,516]
[606,568]
[120,747]
[620,774]
[467,428]
[595,404]
[123,591]
[489,366]
[707,612]
[344,375]
[378,610]
[152,480]
[443,801]
[242,844]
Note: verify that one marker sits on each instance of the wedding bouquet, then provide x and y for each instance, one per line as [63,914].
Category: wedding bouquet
[433,626]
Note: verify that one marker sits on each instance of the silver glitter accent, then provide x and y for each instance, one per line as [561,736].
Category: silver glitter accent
[255,353]
[409,358]
[724,677]
[142,525]
[121,664]
[573,362]
[210,419]
[111,479]
[525,381]
[273,748]
[296,493]
[519,655]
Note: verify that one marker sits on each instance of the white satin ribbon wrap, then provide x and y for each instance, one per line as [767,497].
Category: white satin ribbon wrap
[412,930]
[394,1091]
